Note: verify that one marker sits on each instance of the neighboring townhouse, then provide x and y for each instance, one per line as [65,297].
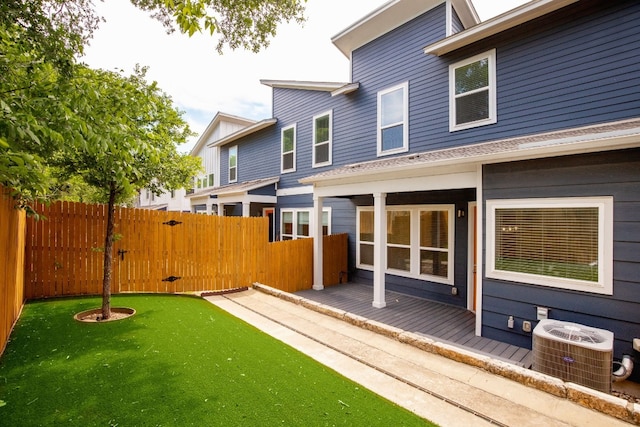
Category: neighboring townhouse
[169,201]
[198,198]
[493,166]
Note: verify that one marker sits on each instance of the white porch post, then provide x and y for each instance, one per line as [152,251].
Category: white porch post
[246,209]
[379,248]
[220,209]
[318,277]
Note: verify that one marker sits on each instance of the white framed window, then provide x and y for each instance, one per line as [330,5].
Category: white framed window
[322,139]
[420,241]
[472,92]
[364,247]
[393,120]
[558,242]
[233,164]
[288,149]
[297,223]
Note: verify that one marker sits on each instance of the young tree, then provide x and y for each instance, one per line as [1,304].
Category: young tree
[246,24]
[130,132]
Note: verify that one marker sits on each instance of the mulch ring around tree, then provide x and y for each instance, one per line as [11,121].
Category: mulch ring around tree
[95,315]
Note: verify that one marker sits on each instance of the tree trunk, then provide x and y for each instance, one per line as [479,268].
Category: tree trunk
[108,254]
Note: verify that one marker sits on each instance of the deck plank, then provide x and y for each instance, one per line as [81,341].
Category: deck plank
[438,321]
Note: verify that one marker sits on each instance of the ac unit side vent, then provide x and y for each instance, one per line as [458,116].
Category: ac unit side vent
[574,353]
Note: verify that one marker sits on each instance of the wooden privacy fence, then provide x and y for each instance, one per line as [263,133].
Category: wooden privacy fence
[166,252]
[12,249]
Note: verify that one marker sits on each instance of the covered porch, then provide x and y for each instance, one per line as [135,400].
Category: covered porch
[441,322]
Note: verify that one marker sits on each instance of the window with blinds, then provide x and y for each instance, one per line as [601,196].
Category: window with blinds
[561,242]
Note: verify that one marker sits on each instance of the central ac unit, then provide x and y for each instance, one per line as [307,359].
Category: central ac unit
[574,352]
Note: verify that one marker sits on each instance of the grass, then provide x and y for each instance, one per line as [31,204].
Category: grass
[179,361]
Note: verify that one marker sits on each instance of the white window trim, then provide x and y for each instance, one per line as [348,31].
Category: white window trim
[282,153]
[235,147]
[329,142]
[405,120]
[414,272]
[358,241]
[294,235]
[605,243]
[493,115]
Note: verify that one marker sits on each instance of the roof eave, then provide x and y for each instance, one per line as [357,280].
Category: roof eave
[527,12]
[598,142]
[212,125]
[380,21]
[263,124]
[304,85]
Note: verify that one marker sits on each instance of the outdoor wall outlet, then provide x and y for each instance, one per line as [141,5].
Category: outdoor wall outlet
[526,326]
[542,313]
[454,291]
[510,322]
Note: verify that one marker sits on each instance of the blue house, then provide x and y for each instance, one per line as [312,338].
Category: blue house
[493,166]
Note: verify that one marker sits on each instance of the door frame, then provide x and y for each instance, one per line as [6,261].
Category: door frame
[272,231]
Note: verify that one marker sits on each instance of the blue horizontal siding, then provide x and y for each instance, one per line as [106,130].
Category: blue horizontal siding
[613,174]
[257,157]
[570,68]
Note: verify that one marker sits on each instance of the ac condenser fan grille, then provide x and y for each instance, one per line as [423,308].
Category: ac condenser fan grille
[573,333]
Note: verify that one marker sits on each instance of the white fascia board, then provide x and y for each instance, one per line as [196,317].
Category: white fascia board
[387,17]
[527,12]
[294,191]
[466,12]
[346,89]
[246,198]
[304,85]
[217,119]
[244,132]
[439,181]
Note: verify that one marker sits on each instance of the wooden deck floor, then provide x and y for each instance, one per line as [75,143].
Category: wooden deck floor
[445,323]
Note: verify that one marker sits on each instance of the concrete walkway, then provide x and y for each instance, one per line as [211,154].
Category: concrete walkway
[434,387]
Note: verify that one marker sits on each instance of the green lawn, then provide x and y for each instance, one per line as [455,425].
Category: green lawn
[179,361]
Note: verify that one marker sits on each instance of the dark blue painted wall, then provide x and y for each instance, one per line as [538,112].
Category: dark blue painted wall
[614,174]
[258,157]
[574,67]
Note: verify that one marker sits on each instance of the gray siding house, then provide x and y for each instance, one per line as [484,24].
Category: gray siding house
[493,166]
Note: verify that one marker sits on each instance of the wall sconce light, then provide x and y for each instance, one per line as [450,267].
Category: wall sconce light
[460,213]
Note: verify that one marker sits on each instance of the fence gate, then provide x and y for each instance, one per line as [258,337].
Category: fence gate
[180,252]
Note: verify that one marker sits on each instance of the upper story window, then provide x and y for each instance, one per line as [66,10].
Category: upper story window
[565,243]
[472,92]
[233,163]
[288,145]
[393,120]
[322,135]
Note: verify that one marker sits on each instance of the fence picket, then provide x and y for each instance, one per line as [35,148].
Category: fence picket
[206,252]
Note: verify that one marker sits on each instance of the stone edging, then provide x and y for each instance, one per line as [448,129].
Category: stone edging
[583,396]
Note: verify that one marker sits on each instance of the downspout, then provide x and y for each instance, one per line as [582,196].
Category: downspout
[624,370]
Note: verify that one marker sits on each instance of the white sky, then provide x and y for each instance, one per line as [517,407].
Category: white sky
[201,82]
